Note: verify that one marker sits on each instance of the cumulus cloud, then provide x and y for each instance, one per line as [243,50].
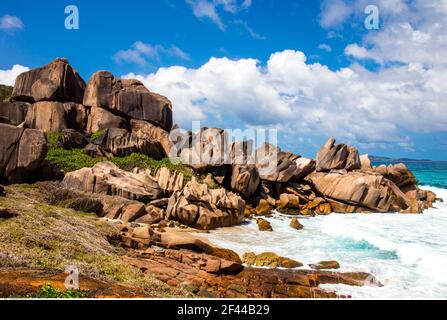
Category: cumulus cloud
[11,23]
[370,109]
[142,53]
[8,77]
[334,13]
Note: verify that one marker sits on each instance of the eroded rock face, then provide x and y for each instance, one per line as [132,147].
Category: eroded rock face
[120,142]
[57,81]
[337,157]
[100,119]
[245,180]
[15,112]
[276,166]
[398,173]
[55,116]
[129,97]
[146,130]
[198,206]
[364,189]
[22,151]
[107,178]
[269,259]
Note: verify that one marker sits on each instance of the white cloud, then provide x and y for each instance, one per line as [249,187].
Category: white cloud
[334,13]
[370,109]
[8,77]
[142,53]
[210,9]
[325,47]
[11,23]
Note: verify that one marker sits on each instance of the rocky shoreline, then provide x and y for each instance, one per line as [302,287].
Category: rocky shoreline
[53,113]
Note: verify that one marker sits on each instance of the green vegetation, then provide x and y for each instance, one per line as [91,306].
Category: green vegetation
[5,92]
[47,291]
[96,135]
[75,159]
[52,237]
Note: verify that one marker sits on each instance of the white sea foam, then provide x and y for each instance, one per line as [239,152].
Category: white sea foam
[408,253]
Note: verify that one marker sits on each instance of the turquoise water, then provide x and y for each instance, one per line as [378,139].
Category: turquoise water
[407,253]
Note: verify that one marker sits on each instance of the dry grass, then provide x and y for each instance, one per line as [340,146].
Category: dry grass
[52,237]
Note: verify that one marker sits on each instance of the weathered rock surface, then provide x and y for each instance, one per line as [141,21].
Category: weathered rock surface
[264,225]
[295,224]
[55,116]
[325,265]
[57,81]
[72,139]
[22,151]
[276,166]
[269,259]
[245,180]
[363,189]
[129,97]
[146,130]
[263,208]
[398,173]
[169,181]
[120,142]
[15,112]
[100,119]
[107,178]
[198,206]
[337,157]
[365,162]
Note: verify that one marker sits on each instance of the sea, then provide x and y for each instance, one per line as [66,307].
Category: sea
[406,253]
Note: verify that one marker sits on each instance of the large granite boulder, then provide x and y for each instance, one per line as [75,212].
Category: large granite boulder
[55,116]
[398,173]
[245,180]
[128,97]
[22,151]
[120,142]
[15,112]
[100,119]
[276,166]
[146,130]
[107,178]
[337,157]
[366,190]
[198,206]
[57,81]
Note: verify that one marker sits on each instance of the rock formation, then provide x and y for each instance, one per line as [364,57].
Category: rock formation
[22,151]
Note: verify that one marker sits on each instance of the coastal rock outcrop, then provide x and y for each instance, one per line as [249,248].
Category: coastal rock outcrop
[198,206]
[277,166]
[128,97]
[57,81]
[359,189]
[337,157]
[22,151]
[245,180]
[107,178]
[398,173]
[270,260]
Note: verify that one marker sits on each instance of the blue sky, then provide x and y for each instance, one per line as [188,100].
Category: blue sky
[308,68]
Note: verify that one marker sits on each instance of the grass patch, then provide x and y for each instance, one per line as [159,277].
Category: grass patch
[75,159]
[47,291]
[96,135]
[52,237]
[71,160]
